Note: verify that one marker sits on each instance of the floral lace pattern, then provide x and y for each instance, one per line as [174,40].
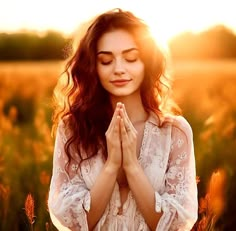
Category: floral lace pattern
[167,158]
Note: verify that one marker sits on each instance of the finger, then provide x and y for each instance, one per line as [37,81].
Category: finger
[127,123]
[124,133]
[127,120]
[114,117]
[113,137]
[116,127]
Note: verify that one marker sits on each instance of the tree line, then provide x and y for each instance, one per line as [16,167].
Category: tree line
[32,46]
[218,42]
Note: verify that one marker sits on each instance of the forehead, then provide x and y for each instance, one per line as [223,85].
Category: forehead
[116,40]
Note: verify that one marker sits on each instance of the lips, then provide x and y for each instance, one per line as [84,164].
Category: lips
[120,82]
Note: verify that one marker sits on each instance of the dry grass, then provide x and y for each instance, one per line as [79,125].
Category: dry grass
[29,209]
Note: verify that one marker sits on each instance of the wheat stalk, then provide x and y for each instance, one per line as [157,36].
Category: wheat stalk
[29,209]
[212,205]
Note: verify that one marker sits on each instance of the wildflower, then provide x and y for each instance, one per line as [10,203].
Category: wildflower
[29,209]
[212,205]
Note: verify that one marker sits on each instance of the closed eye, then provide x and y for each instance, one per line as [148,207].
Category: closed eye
[131,56]
[131,60]
[105,58]
[106,62]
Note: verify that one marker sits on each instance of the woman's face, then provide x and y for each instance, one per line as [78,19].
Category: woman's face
[119,66]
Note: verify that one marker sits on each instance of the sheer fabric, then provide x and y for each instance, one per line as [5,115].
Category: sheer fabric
[167,158]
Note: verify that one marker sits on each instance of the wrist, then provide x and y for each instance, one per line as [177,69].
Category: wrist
[111,168]
[132,169]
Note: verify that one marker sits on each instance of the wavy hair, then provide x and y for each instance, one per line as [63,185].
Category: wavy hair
[85,107]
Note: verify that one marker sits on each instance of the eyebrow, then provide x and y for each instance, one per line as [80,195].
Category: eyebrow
[123,52]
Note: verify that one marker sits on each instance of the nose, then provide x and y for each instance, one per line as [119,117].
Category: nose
[119,68]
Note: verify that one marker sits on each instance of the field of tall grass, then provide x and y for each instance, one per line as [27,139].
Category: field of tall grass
[205,91]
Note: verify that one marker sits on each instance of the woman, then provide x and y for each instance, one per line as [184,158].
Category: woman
[123,158]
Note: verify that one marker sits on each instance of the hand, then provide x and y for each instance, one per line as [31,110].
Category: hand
[113,140]
[128,140]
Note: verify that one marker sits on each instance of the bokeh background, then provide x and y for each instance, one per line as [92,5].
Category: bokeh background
[35,37]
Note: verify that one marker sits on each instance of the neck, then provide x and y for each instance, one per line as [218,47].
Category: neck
[134,107]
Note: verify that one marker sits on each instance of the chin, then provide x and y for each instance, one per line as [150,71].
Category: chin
[121,93]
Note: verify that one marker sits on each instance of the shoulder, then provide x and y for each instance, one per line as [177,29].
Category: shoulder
[180,126]
[63,127]
[175,122]
[181,123]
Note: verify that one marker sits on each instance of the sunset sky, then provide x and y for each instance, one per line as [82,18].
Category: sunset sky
[166,17]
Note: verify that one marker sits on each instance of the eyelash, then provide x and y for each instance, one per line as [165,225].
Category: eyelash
[106,63]
[128,60]
[131,60]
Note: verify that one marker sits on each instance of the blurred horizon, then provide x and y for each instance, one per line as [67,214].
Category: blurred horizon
[42,32]
[218,42]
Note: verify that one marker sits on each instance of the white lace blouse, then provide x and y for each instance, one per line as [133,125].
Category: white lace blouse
[167,158]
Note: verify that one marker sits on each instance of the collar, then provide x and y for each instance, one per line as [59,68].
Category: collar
[153,118]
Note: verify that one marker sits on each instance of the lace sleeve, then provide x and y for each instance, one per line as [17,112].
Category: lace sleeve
[69,198]
[179,201]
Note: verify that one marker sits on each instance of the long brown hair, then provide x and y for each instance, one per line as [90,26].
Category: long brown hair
[86,109]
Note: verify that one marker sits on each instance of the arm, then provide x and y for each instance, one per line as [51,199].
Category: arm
[100,194]
[179,201]
[139,184]
[71,204]
[144,194]
[176,208]
[69,198]
[107,178]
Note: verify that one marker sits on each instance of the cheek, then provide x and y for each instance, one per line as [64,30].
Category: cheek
[102,76]
[139,70]
[102,71]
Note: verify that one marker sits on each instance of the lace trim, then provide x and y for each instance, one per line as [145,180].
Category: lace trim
[143,145]
[157,202]
[87,201]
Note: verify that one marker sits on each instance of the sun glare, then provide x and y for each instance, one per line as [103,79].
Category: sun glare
[166,18]
[170,18]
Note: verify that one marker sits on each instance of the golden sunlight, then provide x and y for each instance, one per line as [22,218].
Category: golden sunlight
[166,18]
[169,18]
